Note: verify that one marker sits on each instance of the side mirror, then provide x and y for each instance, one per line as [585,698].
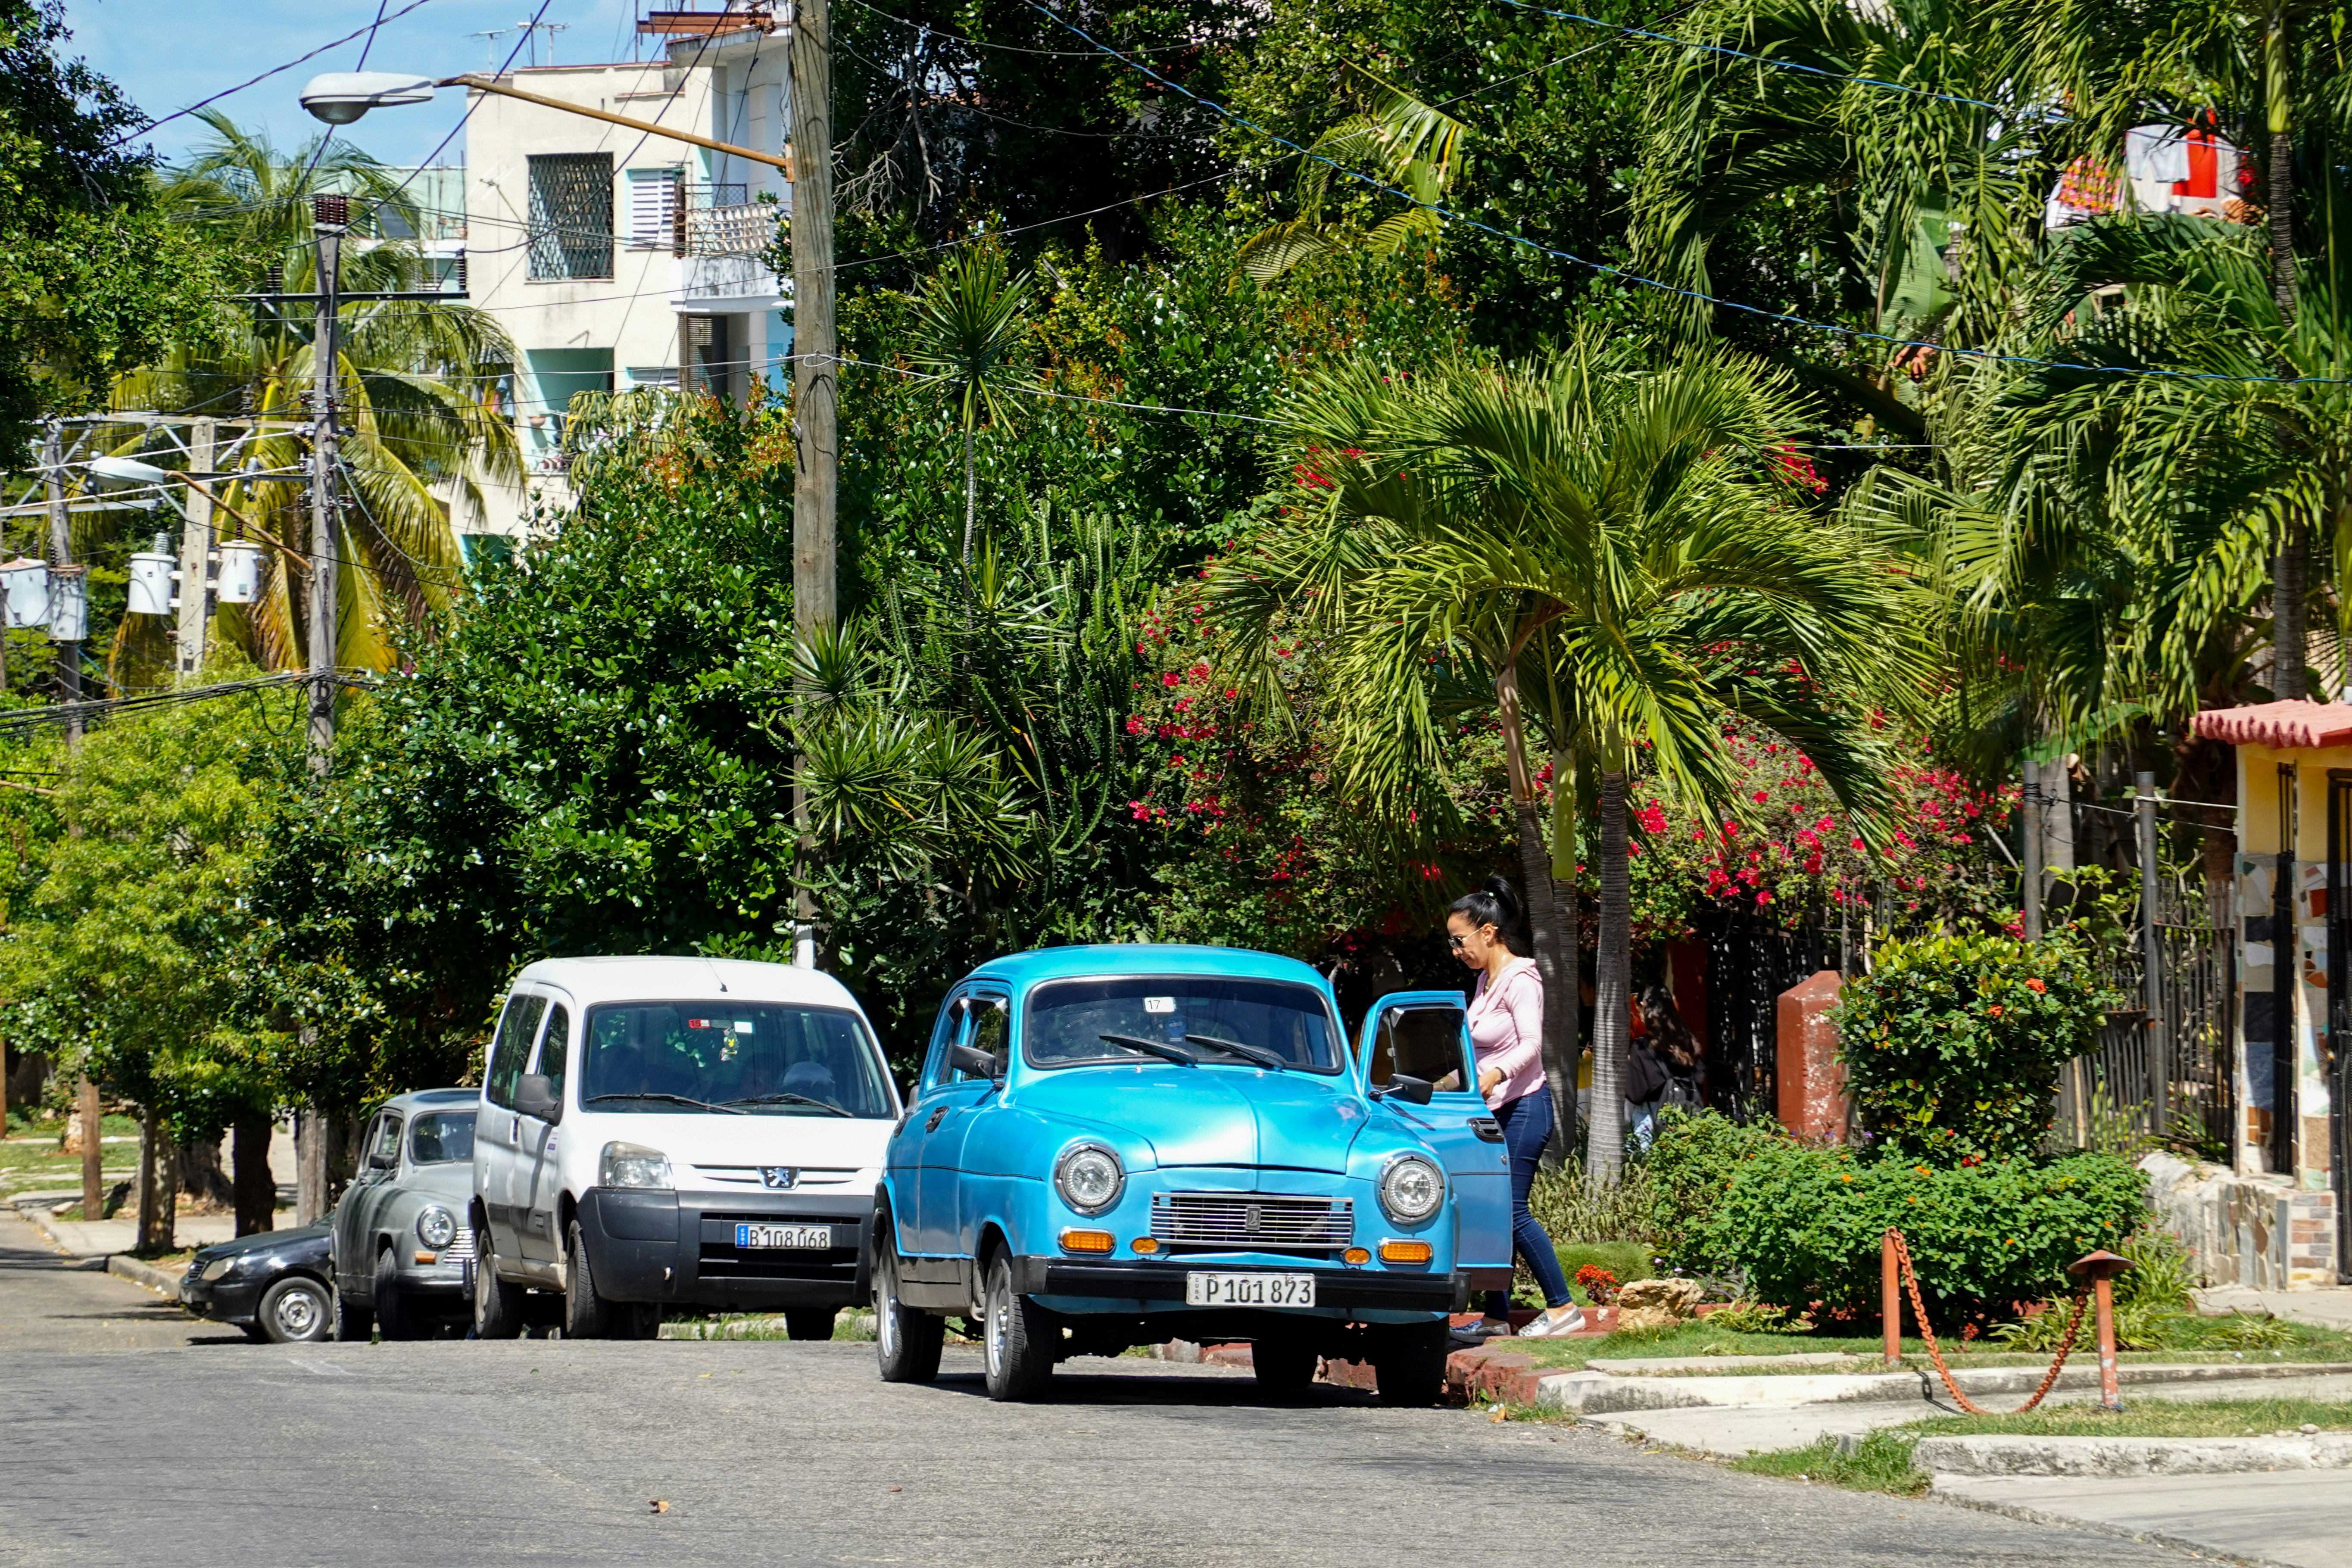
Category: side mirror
[1405,1087]
[974,1061]
[379,1160]
[535,1097]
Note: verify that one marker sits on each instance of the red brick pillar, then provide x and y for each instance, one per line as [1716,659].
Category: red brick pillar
[1812,1086]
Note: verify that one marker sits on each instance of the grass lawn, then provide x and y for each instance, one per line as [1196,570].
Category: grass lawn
[1879,1463]
[29,1161]
[2151,1419]
[2307,1343]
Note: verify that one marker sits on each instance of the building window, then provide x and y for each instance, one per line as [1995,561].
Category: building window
[653,208]
[571,214]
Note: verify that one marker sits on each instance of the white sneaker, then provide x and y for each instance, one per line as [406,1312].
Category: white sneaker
[1551,1327]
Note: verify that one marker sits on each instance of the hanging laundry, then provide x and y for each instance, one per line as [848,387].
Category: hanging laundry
[2156,154]
[2088,189]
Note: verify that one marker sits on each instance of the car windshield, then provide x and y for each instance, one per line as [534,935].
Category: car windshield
[437,1137]
[729,1057]
[1069,1019]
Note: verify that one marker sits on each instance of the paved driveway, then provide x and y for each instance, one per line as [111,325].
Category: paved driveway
[126,1442]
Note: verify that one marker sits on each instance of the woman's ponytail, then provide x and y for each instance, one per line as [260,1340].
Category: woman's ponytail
[1494,902]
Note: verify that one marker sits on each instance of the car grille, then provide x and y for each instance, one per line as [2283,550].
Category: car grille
[460,1247]
[1250,1222]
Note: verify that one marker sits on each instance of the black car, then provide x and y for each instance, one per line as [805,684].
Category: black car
[272,1284]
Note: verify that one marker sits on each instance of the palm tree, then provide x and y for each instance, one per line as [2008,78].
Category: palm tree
[1398,140]
[420,425]
[970,326]
[1612,554]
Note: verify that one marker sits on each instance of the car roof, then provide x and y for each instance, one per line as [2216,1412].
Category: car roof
[648,978]
[1026,969]
[431,1098]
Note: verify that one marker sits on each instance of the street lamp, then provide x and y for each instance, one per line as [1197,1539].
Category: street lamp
[341,97]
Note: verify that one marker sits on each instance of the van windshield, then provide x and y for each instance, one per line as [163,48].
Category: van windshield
[1075,1020]
[729,1057]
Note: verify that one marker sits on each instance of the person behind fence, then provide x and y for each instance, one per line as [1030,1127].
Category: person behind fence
[1664,1066]
[1488,931]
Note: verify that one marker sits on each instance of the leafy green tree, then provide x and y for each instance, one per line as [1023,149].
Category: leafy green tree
[970,328]
[94,276]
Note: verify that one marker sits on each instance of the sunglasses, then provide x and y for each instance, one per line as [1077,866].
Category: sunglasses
[1455,940]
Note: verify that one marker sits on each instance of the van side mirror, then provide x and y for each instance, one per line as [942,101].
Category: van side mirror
[535,1097]
[975,1061]
[1405,1087]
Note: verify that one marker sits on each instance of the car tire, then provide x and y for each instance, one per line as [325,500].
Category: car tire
[1410,1366]
[906,1342]
[297,1311]
[1018,1340]
[354,1323]
[635,1319]
[808,1322]
[498,1304]
[1284,1366]
[392,1318]
[587,1314]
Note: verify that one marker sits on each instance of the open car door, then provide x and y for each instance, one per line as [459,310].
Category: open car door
[1426,1034]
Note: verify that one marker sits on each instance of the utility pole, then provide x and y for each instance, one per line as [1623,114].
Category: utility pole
[816,441]
[330,215]
[53,466]
[2029,822]
[196,551]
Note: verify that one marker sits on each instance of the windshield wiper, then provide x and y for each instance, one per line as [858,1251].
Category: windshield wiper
[1264,1058]
[1160,1048]
[673,1099]
[786,1097]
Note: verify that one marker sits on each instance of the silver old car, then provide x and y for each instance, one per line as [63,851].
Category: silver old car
[401,1242]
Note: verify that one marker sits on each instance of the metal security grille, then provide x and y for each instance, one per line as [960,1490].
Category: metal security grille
[1252,1221]
[571,214]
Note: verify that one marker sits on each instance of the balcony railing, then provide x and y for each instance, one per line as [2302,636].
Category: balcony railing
[746,228]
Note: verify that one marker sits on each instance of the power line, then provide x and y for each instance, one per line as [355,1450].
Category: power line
[152,125]
[1629,276]
[1014,48]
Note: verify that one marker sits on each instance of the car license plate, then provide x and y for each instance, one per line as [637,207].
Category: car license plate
[798,1237]
[1249,1289]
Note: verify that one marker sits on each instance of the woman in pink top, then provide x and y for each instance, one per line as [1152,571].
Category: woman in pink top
[1488,933]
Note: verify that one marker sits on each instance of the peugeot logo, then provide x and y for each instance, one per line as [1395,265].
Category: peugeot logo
[1255,1215]
[780,1177]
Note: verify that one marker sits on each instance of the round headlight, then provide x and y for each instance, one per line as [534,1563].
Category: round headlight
[1088,1177]
[1411,1189]
[437,1227]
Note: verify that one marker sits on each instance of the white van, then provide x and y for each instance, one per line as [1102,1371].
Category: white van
[677,1131]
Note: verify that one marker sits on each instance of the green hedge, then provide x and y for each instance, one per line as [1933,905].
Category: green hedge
[1803,1222]
[1952,1044]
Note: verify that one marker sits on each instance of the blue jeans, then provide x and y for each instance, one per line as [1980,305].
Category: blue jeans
[1526,1128]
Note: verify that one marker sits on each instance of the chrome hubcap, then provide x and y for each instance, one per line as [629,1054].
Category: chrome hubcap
[297,1314]
[997,1301]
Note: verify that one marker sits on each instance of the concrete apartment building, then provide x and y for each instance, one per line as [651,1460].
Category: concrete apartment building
[617,258]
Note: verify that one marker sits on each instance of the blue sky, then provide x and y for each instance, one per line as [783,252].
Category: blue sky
[167,54]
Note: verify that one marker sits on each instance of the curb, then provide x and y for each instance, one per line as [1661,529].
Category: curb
[2113,1531]
[2088,1456]
[164,1285]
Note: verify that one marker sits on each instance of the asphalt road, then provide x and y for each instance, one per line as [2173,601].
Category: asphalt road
[126,1436]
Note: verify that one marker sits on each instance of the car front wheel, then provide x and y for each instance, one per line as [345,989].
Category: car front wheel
[587,1314]
[1018,1339]
[297,1311]
[392,1314]
[906,1342]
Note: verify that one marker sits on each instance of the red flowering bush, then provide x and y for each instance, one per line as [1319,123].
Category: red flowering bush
[1600,1286]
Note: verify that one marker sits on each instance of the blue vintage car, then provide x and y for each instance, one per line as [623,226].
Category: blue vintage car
[1115,1146]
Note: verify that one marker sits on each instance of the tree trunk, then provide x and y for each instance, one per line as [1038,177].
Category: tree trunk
[201,1175]
[1535,874]
[151,1134]
[2278,89]
[1567,916]
[1612,973]
[2290,636]
[93,1177]
[256,1190]
[159,1184]
[310,1165]
[970,508]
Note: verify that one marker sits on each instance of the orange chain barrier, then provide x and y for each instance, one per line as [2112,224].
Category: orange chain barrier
[1919,1310]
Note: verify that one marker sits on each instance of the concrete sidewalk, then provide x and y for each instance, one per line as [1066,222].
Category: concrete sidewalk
[2328,1307]
[2299,1517]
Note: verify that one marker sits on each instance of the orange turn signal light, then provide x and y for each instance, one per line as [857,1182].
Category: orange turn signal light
[1355,1254]
[1144,1245]
[428,1257]
[1405,1252]
[1086,1241]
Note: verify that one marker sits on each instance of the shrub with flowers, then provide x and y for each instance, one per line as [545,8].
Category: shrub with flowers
[1952,1044]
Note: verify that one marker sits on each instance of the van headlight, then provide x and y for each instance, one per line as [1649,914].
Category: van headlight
[633,1165]
[1089,1178]
[437,1227]
[1411,1189]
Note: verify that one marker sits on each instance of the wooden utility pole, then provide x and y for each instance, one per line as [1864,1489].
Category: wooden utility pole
[196,552]
[330,215]
[815,371]
[53,466]
[93,1169]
